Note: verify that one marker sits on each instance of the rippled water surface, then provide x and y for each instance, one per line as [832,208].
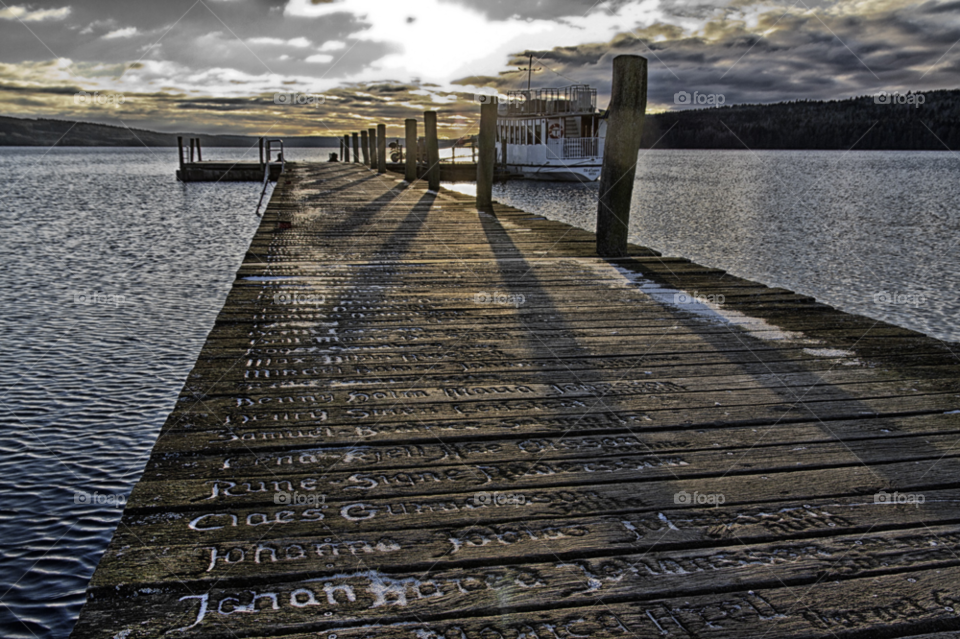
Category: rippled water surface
[874,233]
[113,273]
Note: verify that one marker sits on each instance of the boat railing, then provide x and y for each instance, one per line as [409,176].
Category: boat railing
[574,148]
[578,98]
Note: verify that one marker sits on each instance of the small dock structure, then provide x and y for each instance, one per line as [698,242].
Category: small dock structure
[192,167]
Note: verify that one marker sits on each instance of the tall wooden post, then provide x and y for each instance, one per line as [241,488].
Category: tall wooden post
[372,134]
[341,150]
[346,147]
[199,154]
[365,147]
[261,155]
[410,174]
[488,156]
[180,152]
[628,103]
[433,151]
[191,149]
[356,147]
[381,148]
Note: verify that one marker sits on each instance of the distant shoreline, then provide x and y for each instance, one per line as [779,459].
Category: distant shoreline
[864,123]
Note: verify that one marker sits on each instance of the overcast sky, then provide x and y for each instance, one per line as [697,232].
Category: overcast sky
[215,65]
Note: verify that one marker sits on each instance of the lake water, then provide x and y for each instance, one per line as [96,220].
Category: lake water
[873,233]
[115,272]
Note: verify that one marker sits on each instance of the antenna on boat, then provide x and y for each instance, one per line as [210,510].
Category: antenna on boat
[529,70]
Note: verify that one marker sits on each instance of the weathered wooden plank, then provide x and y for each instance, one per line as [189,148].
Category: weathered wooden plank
[363,455]
[330,550]
[367,595]
[335,483]
[222,522]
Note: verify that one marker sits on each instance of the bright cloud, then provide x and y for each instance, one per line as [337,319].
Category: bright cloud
[17,12]
[293,42]
[126,32]
[333,45]
[437,41]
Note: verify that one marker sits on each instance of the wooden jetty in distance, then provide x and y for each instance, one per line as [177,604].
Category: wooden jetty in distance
[192,167]
[414,420]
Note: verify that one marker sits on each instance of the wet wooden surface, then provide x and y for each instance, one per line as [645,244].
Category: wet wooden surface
[415,421]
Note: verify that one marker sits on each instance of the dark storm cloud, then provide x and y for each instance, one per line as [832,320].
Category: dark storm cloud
[14,88]
[800,57]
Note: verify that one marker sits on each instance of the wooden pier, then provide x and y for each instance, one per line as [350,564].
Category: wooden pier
[192,167]
[415,421]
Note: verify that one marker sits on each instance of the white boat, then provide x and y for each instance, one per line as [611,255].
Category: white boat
[551,134]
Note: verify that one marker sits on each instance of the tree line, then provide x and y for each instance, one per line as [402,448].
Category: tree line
[910,122]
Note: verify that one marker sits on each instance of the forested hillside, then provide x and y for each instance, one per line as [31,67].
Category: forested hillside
[857,123]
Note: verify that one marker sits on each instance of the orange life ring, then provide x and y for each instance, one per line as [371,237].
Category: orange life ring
[556,131]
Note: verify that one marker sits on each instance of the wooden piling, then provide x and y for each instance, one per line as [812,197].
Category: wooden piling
[433,150]
[488,156]
[411,165]
[261,154]
[180,152]
[346,147]
[341,150]
[356,147]
[191,150]
[374,163]
[628,102]
[199,153]
[365,147]
[381,148]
